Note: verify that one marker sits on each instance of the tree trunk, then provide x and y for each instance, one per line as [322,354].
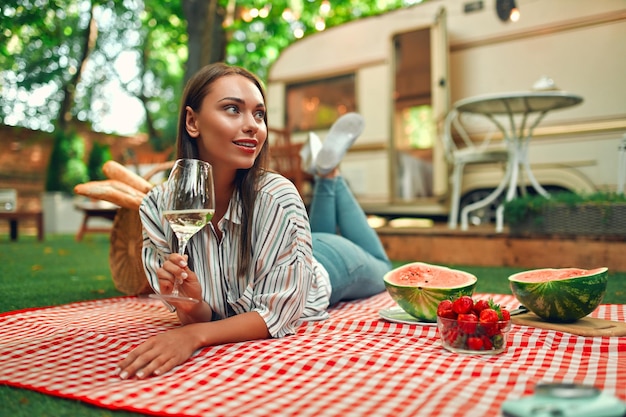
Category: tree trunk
[69,89]
[207,40]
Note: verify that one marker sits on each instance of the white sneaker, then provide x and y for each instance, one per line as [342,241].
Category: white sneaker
[340,138]
[309,152]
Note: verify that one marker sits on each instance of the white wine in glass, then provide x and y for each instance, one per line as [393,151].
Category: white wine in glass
[189,206]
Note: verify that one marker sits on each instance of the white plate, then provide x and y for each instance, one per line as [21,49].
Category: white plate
[397,315]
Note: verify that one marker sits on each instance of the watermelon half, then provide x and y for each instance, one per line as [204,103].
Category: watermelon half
[560,295]
[419,287]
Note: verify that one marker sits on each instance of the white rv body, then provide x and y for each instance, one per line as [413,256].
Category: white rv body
[580,44]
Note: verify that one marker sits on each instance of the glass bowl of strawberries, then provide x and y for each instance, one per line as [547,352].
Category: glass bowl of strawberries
[469,326]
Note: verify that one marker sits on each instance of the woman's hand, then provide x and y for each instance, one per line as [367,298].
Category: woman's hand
[164,351]
[175,268]
[159,354]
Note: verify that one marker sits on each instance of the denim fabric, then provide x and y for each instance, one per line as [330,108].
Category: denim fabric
[344,243]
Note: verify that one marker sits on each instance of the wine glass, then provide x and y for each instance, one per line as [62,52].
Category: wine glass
[189,206]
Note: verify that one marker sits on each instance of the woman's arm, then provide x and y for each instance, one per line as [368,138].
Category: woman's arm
[161,353]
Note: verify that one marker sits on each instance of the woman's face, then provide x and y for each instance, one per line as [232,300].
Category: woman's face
[230,127]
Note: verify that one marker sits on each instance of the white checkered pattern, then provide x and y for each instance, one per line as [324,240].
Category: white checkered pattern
[353,364]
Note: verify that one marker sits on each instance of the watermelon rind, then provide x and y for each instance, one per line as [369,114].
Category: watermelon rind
[421,301]
[562,300]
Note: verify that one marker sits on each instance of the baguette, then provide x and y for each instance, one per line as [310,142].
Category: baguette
[116,171]
[123,187]
[105,191]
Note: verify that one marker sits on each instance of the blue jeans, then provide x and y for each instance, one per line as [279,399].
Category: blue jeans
[344,243]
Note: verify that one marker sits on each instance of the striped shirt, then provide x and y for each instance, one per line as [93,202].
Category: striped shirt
[286,284]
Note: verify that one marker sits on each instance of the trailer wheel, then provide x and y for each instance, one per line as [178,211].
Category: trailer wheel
[483,215]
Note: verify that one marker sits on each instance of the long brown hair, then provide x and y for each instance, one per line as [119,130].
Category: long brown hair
[246,179]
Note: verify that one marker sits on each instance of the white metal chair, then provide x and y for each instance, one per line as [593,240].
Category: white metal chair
[461,150]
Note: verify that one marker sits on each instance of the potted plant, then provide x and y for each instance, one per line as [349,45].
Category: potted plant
[97,157]
[565,213]
[66,168]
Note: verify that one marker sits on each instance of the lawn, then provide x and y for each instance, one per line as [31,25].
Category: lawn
[61,270]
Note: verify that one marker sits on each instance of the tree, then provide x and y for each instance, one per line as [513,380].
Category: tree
[160,56]
[55,56]
[259,31]
[60,59]
[207,38]
[50,49]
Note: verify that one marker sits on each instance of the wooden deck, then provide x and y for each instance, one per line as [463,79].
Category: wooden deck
[482,246]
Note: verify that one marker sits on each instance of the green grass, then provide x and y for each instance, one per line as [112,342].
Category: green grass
[61,270]
[56,271]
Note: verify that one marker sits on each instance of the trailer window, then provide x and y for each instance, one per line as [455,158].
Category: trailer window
[317,104]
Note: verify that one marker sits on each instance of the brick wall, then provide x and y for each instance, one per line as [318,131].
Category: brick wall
[24,156]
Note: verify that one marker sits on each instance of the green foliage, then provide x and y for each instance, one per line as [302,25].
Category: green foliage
[97,157]
[256,43]
[44,45]
[520,209]
[140,47]
[66,167]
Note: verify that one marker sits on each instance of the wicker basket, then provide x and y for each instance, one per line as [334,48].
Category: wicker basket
[125,260]
[607,220]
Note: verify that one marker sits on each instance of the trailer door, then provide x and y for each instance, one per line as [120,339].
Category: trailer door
[420,103]
[440,51]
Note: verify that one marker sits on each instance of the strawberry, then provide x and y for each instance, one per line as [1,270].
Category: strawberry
[443,306]
[489,321]
[480,305]
[448,314]
[450,335]
[487,344]
[459,339]
[474,343]
[506,316]
[463,304]
[467,323]
[489,315]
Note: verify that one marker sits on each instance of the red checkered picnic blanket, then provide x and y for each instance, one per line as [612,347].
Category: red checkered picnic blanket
[351,364]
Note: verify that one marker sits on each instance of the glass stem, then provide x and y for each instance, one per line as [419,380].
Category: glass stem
[182,245]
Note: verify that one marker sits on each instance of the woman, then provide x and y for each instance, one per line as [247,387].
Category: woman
[259,268]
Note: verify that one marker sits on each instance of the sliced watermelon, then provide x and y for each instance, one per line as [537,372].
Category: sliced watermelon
[419,287]
[560,295]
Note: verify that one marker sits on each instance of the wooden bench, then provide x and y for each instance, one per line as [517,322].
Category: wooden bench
[14,218]
[95,209]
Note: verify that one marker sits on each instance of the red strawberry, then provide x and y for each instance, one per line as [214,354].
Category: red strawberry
[443,306]
[450,334]
[474,343]
[487,342]
[489,315]
[506,315]
[489,321]
[467,323]
[459,339]
[480,305]
[463,304]
[448,314]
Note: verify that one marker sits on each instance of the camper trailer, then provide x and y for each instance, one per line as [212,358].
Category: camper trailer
[404,71]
